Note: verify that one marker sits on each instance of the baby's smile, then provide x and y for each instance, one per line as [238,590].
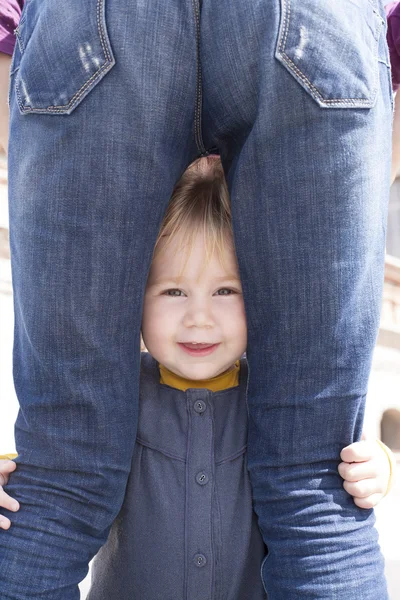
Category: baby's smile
[195,324]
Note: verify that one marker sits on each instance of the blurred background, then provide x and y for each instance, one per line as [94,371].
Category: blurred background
[382,418]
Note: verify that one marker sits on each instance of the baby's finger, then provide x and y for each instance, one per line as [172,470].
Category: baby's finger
[7,502]
[4,522]
[364,488]
[358,452]
[369,502]
[357,471]
[6,467]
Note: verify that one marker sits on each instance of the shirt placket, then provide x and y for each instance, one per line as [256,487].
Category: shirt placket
[199,550]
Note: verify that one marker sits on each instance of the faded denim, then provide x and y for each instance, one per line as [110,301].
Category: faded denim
[109,103]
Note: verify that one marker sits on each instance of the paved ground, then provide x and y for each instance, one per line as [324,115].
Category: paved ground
[388,522]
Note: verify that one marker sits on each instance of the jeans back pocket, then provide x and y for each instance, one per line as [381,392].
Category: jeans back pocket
[62,51]
[331,48]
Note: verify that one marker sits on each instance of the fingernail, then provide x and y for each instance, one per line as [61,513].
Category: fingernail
[14,506]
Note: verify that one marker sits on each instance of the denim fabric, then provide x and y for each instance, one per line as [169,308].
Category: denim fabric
[189,489]
[109,103]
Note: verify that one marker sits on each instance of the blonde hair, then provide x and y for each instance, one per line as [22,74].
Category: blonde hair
[199,203]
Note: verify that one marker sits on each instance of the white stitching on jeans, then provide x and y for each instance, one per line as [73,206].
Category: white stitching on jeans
[96,75]
[314,91]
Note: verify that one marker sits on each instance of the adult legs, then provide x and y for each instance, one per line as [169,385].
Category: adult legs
[297,96]
[102,102]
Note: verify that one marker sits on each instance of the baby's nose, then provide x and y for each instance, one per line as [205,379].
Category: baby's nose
[199,315]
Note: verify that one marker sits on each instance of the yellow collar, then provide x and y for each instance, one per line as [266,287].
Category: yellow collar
[215,384]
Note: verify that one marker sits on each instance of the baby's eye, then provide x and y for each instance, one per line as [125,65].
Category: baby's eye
[230,292]
[166,292]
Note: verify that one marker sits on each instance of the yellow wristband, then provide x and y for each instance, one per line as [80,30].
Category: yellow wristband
[9,456]
[390,456]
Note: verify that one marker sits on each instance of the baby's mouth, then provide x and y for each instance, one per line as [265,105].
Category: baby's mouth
[198,349]
[197,346]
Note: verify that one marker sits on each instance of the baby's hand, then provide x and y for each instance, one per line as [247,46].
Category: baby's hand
[6,467]
[367,471]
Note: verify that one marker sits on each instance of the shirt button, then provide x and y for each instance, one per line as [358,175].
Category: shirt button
[199,560]
[202,478]
[199,406]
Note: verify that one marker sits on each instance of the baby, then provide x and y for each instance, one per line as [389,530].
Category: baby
[187,528]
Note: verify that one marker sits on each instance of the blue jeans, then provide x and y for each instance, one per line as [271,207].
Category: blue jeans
[110,101]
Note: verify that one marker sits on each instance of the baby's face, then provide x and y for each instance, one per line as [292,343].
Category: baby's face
[195,309]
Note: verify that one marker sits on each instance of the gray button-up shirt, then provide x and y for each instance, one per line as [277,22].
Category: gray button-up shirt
[186,529]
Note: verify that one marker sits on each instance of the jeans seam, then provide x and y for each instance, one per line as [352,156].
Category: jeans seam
[198,102]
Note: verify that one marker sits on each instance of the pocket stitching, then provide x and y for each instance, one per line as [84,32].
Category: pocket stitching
[291,65]
[81,91]
[14,68]
[22,18]
[19,40]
